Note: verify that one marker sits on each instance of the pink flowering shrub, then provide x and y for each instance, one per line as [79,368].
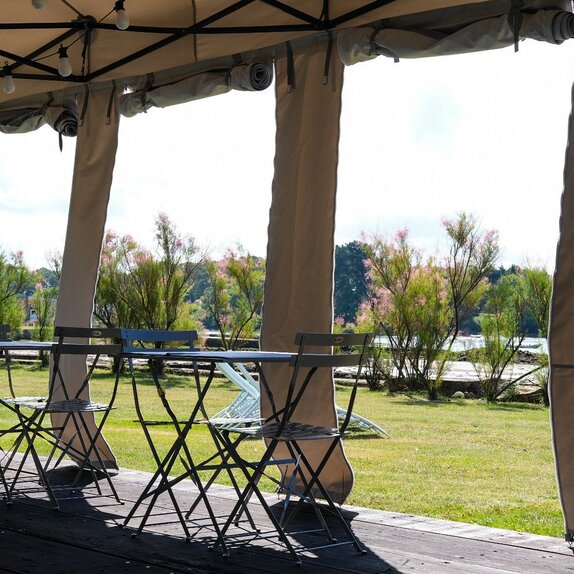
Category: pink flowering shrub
[139,287]
[234,297]
[418,304]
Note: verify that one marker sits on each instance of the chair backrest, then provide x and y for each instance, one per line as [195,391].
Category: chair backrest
[324,350]
[5,332]
[5,336]
[154,338]
[92,342]
[328,350]
[138,339]
[85,340]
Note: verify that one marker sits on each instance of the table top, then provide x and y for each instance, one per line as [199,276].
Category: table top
[211,356]
[173,354]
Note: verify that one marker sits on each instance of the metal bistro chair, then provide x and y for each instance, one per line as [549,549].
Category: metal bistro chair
[11,403]
[282,427]
[73,435]
[15,430]
[140,343]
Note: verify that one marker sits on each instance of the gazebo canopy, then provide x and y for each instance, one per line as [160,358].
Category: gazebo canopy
[68,63]
[190,34]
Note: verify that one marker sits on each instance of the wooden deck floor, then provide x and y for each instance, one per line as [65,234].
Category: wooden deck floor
[84,536]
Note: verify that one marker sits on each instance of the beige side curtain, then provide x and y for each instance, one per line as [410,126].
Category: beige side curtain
[300,252]
[93,169]
[560,343]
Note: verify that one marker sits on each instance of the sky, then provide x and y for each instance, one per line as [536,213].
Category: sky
[421,140]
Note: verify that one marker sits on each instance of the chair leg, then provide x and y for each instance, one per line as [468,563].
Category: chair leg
[223,453]
[93,449]
[31,450]
[162,473]
[315,481]
[253,488]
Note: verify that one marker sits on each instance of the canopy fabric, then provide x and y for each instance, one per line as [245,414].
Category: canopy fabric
[560,348]
[174,33]
[94,164]
[362,44]
[300,251]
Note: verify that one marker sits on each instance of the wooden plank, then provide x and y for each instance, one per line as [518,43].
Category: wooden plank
[22,553]
[394,543]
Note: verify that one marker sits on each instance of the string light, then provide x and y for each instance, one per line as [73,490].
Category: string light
[39,4]
[8,86]
[64,67]
[122,19]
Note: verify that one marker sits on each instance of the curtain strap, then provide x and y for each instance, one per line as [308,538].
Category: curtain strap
[328,57]
[110,103]
[516,21]
[84,105]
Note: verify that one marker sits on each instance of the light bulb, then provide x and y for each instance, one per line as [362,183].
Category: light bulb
[8,86]
[39,4]
[64,67]
[122,19]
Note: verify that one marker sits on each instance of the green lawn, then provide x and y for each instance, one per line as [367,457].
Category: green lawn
[459,460]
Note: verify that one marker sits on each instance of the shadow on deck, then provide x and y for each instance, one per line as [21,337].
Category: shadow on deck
[85,536]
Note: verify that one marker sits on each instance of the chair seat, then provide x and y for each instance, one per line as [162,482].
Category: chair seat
[67,406]
[19,401]
[292,431]
[226,421]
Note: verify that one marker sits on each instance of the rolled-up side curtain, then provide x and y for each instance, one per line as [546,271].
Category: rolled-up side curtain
[361,44]
[61,116]
[93,170]
[560,346]
[254,76]
[63,119]
[300,251]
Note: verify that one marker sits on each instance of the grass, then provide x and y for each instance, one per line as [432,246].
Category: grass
[459,460]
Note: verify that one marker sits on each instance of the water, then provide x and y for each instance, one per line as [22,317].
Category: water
[530,344]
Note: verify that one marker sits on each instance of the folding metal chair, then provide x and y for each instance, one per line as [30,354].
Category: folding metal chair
[19,419]
[11,402]
[282,427]
[76,433]
[136,343]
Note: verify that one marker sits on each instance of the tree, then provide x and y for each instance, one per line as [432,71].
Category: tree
[141,289]
[503,331]
[408,303]
[536,290]
[44,302]
[112,304]
[537,293]
[350,282]
[234,297]
[419,306]
[138,288]
[15,278]
[471,257]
